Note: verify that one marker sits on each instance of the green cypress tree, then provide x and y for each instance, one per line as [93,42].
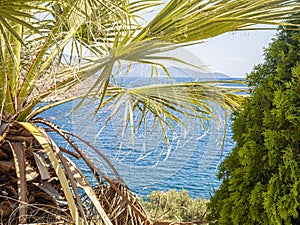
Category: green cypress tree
[261,177]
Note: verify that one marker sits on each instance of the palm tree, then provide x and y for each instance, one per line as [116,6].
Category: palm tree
[49,47]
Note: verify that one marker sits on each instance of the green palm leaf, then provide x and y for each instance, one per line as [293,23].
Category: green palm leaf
[14,12]
[170,104]
[189,21]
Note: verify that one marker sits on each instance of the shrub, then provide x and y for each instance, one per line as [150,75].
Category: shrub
[176,206]
[261,177]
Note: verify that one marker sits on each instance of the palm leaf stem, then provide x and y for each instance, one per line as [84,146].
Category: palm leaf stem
[63,134]
[19,159]
[48,145]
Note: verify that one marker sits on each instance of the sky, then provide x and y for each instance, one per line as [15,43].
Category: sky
[234,54]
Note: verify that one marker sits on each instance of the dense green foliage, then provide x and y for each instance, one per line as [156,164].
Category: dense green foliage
[261,177]
[176,206]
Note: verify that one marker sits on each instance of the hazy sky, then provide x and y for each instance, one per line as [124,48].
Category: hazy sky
[234,54]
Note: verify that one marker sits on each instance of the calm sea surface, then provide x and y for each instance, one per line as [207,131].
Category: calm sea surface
[190,161]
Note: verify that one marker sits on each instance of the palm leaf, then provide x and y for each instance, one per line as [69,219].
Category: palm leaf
[196,21]
[48,146]
[18,153]
[189,21]
[76,18]
[170,104]
[13,12]
[186,22]
[64,134]
[84,184]
[130,45]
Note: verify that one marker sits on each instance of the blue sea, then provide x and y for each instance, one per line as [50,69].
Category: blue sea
[145,161]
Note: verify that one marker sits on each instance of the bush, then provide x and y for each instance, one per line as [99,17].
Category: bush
[261,177]
[175,206]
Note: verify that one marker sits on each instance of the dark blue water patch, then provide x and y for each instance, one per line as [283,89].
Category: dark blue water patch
[199,182]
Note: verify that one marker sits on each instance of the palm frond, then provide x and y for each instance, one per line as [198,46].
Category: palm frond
[15,12]
[108,25]
[69,28]
[170,104]
[189,21]
[18,152]
[48,145]
[84,184]
[181,22]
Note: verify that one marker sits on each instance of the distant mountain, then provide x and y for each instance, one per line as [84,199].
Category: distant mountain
[140,70]
[183,72]
[144,70]
[139,75]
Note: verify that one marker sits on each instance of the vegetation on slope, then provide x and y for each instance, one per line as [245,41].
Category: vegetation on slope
[260,178]
[175,206]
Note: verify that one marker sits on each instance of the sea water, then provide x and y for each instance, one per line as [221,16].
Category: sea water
[189,161]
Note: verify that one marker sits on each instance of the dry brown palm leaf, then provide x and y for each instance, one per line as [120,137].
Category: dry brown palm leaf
[35,189]
[81,153]
[19,159]
[89,192]
[117,207]
[127,202]
[24,193]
